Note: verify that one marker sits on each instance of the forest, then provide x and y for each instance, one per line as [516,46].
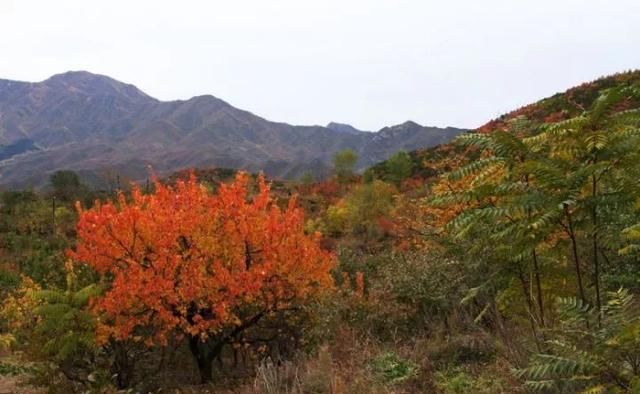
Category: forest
[506,261]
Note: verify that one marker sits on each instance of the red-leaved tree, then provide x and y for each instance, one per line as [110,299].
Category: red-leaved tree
[186,263]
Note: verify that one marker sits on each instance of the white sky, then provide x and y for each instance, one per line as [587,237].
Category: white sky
[369,63]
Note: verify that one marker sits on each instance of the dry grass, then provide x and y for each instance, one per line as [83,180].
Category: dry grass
[346,366]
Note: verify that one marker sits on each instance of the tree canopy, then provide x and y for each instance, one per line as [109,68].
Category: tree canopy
[182,261]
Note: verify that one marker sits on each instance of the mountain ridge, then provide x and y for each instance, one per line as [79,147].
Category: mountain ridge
[93,123]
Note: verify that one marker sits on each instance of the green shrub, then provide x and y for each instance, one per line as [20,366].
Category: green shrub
[485,381]
[7,369]
[461,349]
[390,368]
[591,351]
[454,382]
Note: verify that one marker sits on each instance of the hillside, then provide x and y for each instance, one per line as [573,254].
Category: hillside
[506,262]
[96,125]
[574,101]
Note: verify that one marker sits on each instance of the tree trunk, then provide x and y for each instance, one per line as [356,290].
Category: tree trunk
[529,307]
[574,249]
[122,367]
[536,268]
[596,263]
[205,368]
[204,353]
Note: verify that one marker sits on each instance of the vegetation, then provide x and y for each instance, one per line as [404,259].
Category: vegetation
[182,263]
[344,163]
[506,262]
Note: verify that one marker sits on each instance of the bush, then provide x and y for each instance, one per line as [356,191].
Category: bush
[489,379]
[8,369]
[591,351]
[391,369]
[461,349]
[454,382]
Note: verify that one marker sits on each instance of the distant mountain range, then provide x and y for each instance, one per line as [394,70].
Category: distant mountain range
[101,127]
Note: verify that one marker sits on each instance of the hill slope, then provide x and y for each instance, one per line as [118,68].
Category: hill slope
[574,101]
[94,124]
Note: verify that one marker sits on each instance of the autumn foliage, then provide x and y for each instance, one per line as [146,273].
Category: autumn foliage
[183,261]
[506,261]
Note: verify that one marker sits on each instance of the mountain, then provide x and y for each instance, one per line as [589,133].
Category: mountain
[570,103]
[99,127]
[343,128]
[565,105]
[15,148]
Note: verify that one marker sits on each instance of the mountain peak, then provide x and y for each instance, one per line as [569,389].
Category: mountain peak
[408,124]
[342,128]
[80,76]
[94,84]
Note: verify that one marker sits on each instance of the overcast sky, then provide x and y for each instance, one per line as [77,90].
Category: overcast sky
[369,63]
